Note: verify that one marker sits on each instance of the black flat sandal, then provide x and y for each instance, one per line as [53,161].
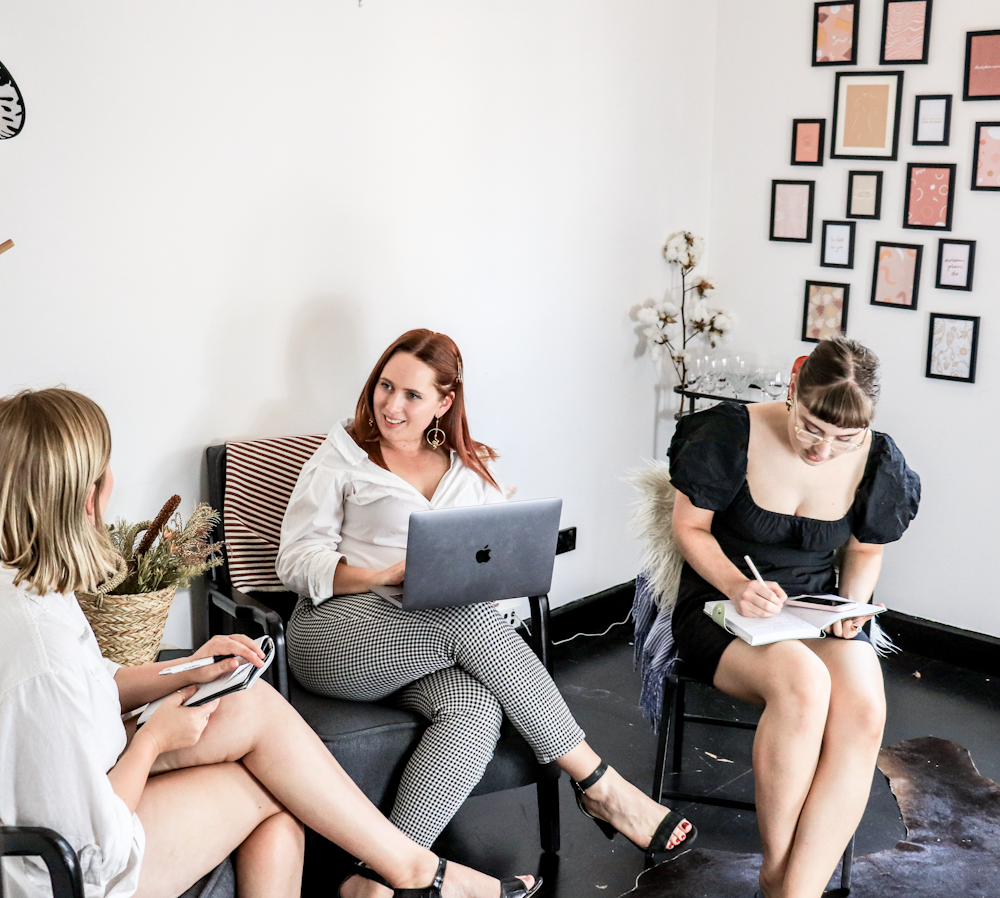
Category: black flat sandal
[509,888]
[362,869]
[658,844]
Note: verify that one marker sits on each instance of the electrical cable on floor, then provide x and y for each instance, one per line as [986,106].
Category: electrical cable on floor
[628,617]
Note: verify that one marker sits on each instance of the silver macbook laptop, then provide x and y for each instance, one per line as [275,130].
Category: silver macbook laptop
[460,556]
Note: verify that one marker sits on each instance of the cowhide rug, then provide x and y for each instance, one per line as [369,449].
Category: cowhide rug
[952,818]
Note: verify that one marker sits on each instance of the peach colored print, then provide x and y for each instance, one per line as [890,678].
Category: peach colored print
[791,210]
[807,142]
[988,157]
[835,33]
[866,114]
[984,66]
[904,30]
[894,281]
[929,189]
[826,309]
[951,347]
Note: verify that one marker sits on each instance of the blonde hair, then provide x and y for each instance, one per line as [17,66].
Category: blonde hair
[54,446]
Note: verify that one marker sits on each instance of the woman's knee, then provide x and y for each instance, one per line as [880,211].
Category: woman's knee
[861,705]
[798,681]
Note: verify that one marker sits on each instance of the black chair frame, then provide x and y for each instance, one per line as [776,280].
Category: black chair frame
[673,720]
[53,849]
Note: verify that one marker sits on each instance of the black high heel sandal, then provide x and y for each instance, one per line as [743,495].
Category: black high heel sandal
[362,869]
[658,844]
[509,888]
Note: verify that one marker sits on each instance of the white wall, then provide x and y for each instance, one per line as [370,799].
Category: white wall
[224,211]
[943,569]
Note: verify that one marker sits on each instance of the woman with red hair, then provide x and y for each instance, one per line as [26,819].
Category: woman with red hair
[408,449]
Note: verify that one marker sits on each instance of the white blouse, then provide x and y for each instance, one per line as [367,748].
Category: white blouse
[60,733]
[346,506]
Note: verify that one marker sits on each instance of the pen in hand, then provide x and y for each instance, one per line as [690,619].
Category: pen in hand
[193,665]
[760,579]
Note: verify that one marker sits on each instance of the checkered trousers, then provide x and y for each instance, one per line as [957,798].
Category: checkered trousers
[462,668]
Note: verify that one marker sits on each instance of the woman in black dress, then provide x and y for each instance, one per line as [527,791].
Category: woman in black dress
[794,486]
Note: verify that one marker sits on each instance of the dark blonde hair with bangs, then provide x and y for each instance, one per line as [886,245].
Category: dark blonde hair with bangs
[839,383]
[54,446]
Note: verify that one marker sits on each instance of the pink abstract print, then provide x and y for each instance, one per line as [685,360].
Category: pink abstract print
[835,33]
[929,189]
[807,142]
[894,281]
[904,31]
[988,158]
[791,211]
[825,312]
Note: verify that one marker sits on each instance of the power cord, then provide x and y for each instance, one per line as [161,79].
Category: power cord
[620,623]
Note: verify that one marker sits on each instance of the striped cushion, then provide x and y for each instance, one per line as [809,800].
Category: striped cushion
[260,477]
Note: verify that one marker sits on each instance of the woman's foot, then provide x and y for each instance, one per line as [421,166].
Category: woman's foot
[633,813]
[359,887]
[460,882]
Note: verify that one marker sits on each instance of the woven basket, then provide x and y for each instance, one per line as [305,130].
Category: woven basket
[129,629]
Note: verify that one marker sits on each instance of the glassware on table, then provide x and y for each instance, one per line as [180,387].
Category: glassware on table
[718,365]
[739,373]
[698,370]
[774,381]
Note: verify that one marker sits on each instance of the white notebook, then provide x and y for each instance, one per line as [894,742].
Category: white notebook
[242,678]
[792,622]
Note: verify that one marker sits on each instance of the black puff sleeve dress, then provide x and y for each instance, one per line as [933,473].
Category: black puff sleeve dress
[708,463]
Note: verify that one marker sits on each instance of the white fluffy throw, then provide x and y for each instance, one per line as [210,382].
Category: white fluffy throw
[652,522]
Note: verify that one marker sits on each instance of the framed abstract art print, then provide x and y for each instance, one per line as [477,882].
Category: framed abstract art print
[835,34]
[864,194]
[906,32]
[792,211]
[837,248]
[982,65]
[955,264]
[825,311]
[986,157]
[930,196]
[952,346]
[866,110]
[808,137]
[896,278]
[932,120]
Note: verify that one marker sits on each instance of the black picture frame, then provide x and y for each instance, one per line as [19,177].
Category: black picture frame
[910,166]
[809,224]
[843,309]
[973,350]
[851,226]
[947,120]
[795,139]
[851,175]
[970,265]
[854,35]
[925,51]
[915,287]
[975,157]
[969,37]
[896,111]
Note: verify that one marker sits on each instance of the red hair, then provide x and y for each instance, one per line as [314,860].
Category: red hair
[441,355]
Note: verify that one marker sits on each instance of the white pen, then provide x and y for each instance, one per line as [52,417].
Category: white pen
[756,573]
[193,665]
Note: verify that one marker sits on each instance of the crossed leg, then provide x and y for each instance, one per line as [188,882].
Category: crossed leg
[814,752]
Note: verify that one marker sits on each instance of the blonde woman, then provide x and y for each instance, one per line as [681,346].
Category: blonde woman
[150,812]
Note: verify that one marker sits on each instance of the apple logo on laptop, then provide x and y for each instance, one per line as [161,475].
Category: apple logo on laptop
[483,555]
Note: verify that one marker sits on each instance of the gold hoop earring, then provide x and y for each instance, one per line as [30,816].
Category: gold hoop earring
[432,436]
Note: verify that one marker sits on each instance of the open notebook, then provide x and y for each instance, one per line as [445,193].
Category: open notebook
[242,678]
[792,622]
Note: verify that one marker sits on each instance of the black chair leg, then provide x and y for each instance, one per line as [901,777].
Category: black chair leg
[548,813]
[679,697]
[666,724]
[845,869]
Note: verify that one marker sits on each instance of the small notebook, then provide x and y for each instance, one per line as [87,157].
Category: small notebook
[792,622]
[242,678]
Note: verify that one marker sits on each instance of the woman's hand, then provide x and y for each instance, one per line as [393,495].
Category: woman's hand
[751,599]
[849,627]
[391,576]
[173,726]
[243,647]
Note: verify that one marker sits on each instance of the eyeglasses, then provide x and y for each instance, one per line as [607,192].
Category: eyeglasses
[836,444]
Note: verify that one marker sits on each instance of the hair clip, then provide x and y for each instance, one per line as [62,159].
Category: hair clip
[459,370]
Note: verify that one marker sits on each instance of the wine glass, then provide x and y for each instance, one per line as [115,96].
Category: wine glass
[774,381]
[739,374]
[697,373]
[719,366]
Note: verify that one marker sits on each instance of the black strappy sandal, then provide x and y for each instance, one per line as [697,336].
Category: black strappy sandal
[658,844]
[509,888]
[362,869]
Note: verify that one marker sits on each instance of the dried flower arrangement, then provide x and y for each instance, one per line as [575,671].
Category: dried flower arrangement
[170,553]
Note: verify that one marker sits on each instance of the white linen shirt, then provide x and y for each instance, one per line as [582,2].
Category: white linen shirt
[346,506]
[60,733]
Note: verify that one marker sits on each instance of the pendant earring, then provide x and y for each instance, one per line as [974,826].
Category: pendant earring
[789,402]
[436,436]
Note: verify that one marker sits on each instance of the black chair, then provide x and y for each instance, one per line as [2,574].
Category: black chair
[372,741]
[673,721]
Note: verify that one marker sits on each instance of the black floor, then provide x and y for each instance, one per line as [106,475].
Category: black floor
[499,833]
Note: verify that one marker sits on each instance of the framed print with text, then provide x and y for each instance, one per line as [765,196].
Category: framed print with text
[835,34]
[837,249]
[864,194]
[906,32]
[825,312]
[982,65]
[866,109]
[930,196]
[896,278]
[792,211]
[986,157]
[808,137]
[932,120]
[955,264]
[952,346]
